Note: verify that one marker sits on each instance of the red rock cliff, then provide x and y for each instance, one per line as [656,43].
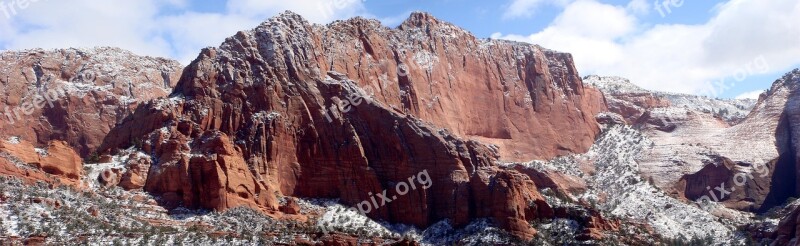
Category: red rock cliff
[76,95]
[253,118]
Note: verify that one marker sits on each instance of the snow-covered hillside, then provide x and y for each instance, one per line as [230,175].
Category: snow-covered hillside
[616,187]
[731,110]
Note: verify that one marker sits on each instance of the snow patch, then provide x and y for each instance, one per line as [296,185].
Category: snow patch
[426,60]
[42,152]
[13,140]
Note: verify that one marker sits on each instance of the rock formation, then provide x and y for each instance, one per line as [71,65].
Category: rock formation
[353,108]
[701,143]
[135,174]
[76,95]
[625,98]
[57,159]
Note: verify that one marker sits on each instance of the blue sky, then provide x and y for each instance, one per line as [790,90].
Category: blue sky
[717,48]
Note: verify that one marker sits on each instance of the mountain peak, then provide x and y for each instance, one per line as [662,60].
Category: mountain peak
[420,19]
[287,18]
[789,80]
[288,14]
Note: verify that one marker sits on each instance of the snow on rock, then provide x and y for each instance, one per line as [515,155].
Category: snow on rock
[13,140]
[118,162]
[336,217]
[426,60]
[731,110]
[618,189]
[613,85]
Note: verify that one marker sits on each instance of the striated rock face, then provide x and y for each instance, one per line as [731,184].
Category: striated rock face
[352,109]
[76,95]
[786,92]
[701,143]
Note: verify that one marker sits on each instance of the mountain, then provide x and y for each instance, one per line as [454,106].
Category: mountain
[356,133]
[263,104]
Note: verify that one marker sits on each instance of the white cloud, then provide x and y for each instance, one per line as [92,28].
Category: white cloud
[640,7]
[750,95]
[317,11]
[82,23]
[146,28]
[189,31]
[393,21]
[526,8]
[744,38]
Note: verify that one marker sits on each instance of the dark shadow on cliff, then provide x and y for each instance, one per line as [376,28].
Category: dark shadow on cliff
[783,169]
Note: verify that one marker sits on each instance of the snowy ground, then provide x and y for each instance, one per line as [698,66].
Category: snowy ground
[105,216]
[617,188]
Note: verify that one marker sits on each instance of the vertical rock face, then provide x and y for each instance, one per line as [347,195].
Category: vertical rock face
[787,89]
[76,95]
[354,109]
[495,91]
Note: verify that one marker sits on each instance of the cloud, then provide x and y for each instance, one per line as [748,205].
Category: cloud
[526,8]
[750,95]
[744,38]
[151,27]
[393,21]
[639,7]
[317,11]
[190,32]
[86,23]
[577,30]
